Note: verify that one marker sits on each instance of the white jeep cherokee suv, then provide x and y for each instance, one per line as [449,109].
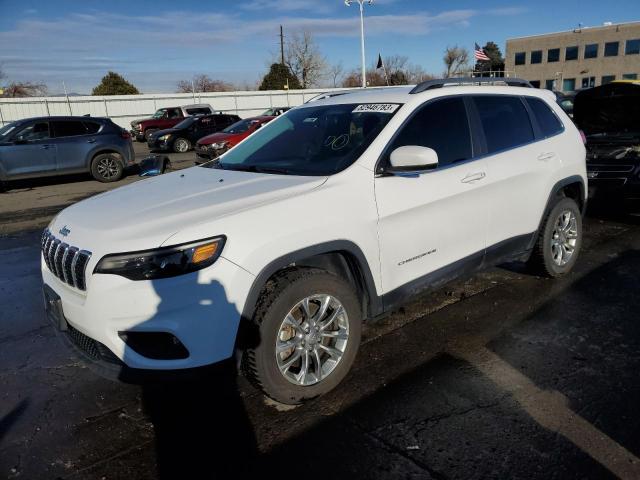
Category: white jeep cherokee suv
[332,214]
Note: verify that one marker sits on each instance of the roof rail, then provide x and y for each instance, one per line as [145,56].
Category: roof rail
[465,81]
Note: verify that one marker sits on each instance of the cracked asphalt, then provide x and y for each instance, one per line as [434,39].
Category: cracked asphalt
[503,375]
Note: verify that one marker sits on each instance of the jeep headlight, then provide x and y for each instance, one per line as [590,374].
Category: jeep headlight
[163,262]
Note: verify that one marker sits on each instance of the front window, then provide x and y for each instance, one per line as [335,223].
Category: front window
[553,55]
[611,49]
[536,56]
[521,58]
[632,47]
[186,123]
[239,127]
[591,50]
[160,113]
[7,129]
[316,140]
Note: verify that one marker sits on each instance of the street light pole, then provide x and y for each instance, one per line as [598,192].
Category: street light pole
[361,4]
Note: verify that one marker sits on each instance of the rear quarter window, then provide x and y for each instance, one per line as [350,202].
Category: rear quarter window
[505,122]
[548,121]
[92,127]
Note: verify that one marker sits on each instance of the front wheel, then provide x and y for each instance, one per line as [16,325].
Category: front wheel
[181,145]
[310,326]
[107,167]
[559,240]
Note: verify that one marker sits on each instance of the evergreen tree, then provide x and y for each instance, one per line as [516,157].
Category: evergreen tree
[114,84]
[277,78]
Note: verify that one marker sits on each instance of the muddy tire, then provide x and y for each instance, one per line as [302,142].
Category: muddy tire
[559,240]
[107,167]
[310,326]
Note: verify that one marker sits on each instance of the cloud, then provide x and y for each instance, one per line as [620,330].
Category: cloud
[287,6]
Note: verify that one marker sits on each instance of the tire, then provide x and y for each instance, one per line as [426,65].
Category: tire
[107,167]
[181,145]
[283,298]
[148,133]
[561,229]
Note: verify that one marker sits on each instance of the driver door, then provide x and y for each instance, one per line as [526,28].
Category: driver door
[30,151]
[432,225]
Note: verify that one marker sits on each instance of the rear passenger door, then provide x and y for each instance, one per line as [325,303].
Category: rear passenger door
[432,225]
[73,143]
[517,171]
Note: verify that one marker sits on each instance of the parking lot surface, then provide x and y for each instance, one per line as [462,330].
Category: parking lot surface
[503,375]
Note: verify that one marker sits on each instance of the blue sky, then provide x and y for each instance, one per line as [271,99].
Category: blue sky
[156,43]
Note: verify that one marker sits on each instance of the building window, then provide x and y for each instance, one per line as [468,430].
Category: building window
[632,47]
[536,56]
[568,84]
[535,83]
[588,82]
[521,58]
[591,50]
[549,84]
[553,55]
[571,53]
[630,76]
[608,79]
[611,49]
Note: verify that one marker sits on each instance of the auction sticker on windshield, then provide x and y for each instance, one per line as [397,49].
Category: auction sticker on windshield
[376,107]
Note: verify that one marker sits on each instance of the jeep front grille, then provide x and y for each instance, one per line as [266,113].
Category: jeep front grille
[64,261]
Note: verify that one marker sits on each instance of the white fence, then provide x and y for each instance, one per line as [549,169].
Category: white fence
[122,109]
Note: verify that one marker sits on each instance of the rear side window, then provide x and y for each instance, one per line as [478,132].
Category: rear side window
[441,125]
[547,120]
[198,111]
[505,122]
[92,127]
[68,129]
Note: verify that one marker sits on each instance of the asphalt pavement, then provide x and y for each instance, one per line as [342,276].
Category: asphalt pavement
[503,375]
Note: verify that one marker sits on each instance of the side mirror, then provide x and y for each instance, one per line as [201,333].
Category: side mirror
[413,158]
[154,165]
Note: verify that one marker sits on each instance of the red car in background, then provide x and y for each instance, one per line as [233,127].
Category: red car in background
[212,146]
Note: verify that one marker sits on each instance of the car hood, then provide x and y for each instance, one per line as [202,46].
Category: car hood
[145,214]
[219,137]
[612,109]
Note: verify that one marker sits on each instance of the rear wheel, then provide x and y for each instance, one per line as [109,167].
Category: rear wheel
[181,145]
[107,167]
[310,327]
[559,241]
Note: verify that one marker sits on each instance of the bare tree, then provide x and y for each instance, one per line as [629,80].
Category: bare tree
[203,83]
[25,89]
[2,74]
[304,59]
[456,59]
[336,73]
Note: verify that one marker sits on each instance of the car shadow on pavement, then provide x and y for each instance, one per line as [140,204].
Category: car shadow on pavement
[200,424]
[7,421]
[552,394]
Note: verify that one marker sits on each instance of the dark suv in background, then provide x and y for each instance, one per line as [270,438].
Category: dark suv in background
[46,146]
[184,135]
[165,118]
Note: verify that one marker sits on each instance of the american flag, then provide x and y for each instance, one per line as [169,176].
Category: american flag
[479,53]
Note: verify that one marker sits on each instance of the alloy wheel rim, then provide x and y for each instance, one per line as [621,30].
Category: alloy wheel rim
[181,146]
[564,238]
[108,167]
[312,339]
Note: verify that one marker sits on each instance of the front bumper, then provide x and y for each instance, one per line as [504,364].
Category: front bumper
[201,309]
[206,154]
[156,144]
[614,177]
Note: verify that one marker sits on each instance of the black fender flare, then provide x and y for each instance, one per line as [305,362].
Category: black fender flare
[290,259]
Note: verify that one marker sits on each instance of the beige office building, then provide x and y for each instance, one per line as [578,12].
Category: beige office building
[584,57]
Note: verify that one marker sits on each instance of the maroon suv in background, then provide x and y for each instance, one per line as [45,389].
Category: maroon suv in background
[166,118]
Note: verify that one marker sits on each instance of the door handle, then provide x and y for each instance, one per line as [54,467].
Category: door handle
[546,156]
[472,177]
[46,147]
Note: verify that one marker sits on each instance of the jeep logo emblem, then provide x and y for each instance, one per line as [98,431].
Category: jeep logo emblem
[64,231]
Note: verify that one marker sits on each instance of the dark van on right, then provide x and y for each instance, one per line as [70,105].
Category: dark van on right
[609,116]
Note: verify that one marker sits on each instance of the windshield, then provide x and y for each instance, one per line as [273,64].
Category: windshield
[186,123]
[159,114]
[239,127]
[320,140]
[7,129]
